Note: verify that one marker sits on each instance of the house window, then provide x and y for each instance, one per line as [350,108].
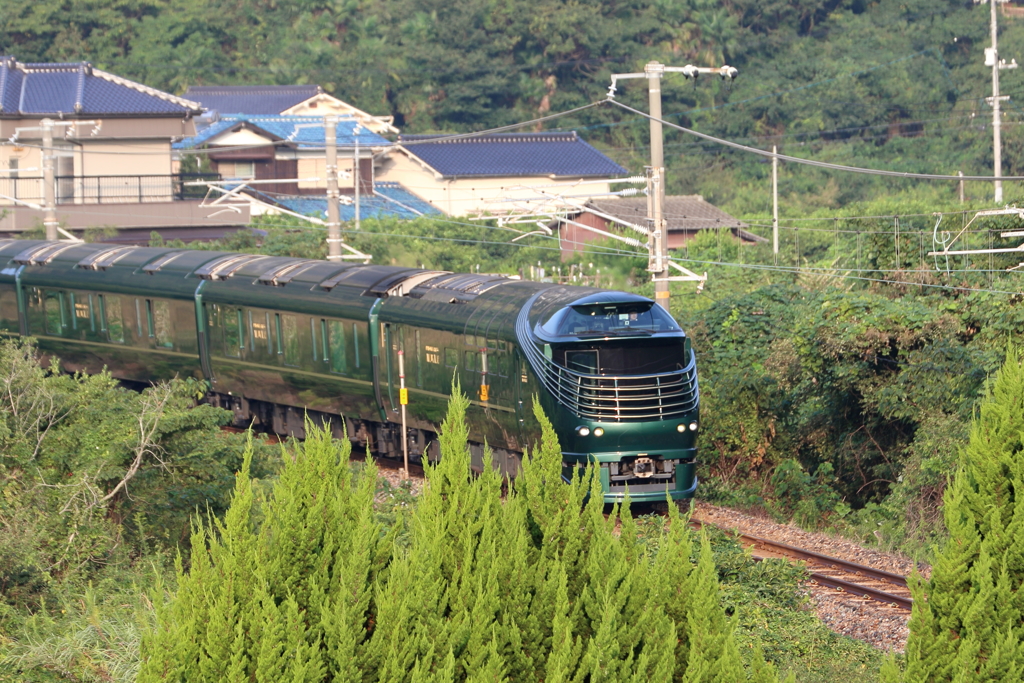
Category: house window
[312,168]
[245,169]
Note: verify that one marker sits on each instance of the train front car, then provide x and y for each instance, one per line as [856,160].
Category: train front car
[620,386]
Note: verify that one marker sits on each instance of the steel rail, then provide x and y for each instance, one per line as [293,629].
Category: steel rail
[830,563]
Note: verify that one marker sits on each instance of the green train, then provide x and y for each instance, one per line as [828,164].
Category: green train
[279,338]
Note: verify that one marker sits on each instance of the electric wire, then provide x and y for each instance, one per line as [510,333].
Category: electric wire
[811,162]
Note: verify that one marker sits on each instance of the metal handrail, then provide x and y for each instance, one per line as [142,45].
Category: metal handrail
[612,398]
[102,189]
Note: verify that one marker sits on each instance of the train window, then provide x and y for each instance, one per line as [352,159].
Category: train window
[451,358]
[74,310]
[8,309]
[584,362]
[419,361]
[259,331]
[625,318]
[277,330]
[323,341]
[498,364]
[355,341]
[92,313]
[312,336]
[290,339]
[336,341]
[111,318]
[160,324]
[138,318]
[55,316]
[472,362]
[233,338]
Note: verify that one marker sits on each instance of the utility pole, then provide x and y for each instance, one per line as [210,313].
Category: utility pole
[49,181]
[992,59]
[357,175]
[659,243]
[659,261]
[333,196]
[775,203]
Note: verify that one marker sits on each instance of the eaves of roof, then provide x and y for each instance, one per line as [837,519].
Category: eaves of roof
[78,90]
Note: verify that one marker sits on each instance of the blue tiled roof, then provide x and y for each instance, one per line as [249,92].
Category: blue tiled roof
[79,89]
[390,199]
[305,131]
[519,154]
[262,100]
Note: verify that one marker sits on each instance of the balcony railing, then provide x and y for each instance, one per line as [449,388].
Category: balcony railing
[119,189]
[607,398]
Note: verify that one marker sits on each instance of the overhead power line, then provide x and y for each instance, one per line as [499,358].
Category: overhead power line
[812,162]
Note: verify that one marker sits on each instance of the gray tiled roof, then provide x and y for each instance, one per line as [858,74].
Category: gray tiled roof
[682,213]
[261,100]
[79,90]
[516,154]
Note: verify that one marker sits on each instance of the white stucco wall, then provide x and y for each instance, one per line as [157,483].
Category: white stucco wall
[471,196]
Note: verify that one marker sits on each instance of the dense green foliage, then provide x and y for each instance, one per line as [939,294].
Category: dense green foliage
[84,622]
[895,84]
[966,623]
[96,481]
[823,393]
[532,585]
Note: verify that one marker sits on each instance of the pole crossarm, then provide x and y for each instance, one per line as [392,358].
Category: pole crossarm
[687,275]
[235,193]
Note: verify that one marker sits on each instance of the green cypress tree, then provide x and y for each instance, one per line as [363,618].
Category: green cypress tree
[565,647]
[713,655]
[967,620]
[271,656]
[538,585]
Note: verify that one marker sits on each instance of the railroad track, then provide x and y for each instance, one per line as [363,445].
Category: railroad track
[357,455]
[832,572]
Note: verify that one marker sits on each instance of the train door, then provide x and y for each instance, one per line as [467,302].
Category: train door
[393,340]
[518,380]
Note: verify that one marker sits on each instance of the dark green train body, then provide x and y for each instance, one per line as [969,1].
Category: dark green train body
[279,338]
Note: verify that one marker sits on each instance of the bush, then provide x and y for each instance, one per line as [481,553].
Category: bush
[537,585]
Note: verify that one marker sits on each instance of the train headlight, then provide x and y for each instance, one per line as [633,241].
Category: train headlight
[598,432]
[693,426]
[583,431]
[681,429]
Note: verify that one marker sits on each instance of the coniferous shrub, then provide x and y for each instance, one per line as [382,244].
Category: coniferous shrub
[533,585]
[967,619]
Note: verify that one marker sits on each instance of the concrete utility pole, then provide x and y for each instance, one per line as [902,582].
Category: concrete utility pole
[653,71]
[333,196]
[49,181]
[775,204]
[992,59]
[659,243]
[357,175]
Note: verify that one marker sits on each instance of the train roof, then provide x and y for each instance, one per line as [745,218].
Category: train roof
[291,283]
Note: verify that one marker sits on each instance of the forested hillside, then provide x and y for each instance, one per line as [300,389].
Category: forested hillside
[896,84]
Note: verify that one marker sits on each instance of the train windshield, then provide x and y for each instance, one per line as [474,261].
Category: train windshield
[637,357]
[612,319]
